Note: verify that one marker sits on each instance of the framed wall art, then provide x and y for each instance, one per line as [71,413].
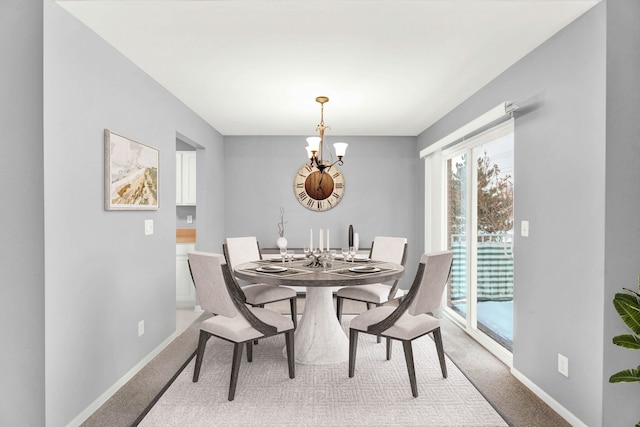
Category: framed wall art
[130,174]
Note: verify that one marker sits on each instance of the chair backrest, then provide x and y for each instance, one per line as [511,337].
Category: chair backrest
[206,271]
[389,249]
[437,267]
[239,250]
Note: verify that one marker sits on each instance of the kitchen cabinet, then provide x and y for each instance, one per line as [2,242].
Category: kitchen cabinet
[185,178]
[185,290]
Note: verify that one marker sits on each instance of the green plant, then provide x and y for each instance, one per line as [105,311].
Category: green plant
[628,307]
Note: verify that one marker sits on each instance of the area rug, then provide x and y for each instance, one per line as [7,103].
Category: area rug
[322,395]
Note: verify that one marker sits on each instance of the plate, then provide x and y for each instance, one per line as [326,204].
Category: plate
[364,269]
[361,258]
[271,269]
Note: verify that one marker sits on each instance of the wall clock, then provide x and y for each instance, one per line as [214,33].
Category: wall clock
[318,191]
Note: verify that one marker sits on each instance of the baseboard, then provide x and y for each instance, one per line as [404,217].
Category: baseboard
[84,415]
[561,410]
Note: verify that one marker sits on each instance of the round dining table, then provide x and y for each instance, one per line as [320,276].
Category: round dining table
[319,337]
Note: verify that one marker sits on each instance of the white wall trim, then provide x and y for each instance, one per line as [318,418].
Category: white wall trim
[84,415]
[490,116]
[561,410]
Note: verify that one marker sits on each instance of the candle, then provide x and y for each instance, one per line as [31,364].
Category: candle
[356,241]
[311,239]
[328,244]
[320,241]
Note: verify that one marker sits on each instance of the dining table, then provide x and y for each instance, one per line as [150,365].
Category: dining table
[319,338]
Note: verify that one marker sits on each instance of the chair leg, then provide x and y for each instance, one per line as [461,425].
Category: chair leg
[291,354]
[353,349]
[249,351]
[235,368]
[294,311]
[339,301]
[408,355]
[202,343]
[378,339]
[389,344]
[437,338]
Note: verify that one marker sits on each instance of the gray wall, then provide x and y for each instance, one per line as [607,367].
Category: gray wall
[379,199]
[622,212]
[22,213]
[574,133]
[181,216]
[103,275]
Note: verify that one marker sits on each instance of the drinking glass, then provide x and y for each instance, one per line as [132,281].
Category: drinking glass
[352,253]
[345,254]
[283,254]
[290,255]
[332,257]
[307,250]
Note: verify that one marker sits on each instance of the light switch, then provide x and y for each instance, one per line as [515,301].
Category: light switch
[148,227]
[524,228]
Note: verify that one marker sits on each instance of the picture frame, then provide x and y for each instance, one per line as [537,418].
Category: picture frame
[131,172]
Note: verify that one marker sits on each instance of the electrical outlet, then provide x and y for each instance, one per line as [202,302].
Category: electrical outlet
[141,328]
[563,365]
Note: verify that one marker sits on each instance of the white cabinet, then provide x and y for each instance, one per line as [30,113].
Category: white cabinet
[186,178]
[185,290]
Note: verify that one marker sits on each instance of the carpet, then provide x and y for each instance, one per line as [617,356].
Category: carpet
[322,395]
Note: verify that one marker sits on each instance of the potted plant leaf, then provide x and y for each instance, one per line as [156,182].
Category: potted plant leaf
[628,307]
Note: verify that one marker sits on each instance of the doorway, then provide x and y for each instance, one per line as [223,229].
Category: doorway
[477,188]
[187,307]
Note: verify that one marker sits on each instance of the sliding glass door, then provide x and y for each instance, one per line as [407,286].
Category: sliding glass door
[478,187]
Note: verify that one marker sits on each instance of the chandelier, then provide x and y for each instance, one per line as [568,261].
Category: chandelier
[314,149]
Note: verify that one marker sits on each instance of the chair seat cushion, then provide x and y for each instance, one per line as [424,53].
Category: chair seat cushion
[263,294]
[407,327]
[376,293]
[238,329]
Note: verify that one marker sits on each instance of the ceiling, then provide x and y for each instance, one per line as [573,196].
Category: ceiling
[389,67]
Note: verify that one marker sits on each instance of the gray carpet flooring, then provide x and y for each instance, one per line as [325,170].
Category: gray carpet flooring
[515,403]
[379,394]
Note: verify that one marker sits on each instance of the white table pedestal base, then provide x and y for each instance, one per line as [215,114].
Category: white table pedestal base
[319,338]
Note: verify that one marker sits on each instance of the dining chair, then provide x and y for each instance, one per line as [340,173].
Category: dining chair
[239,250]
[412,319]
[388,249]
[233,321]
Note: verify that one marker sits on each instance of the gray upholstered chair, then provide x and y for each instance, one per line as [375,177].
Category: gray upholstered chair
[389,249]
[412,318]
[239,250]
[233,321]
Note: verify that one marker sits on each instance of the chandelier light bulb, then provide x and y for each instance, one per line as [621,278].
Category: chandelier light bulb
[341,149]
[314,142]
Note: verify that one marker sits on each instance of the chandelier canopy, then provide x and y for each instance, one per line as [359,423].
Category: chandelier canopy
[315,147]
